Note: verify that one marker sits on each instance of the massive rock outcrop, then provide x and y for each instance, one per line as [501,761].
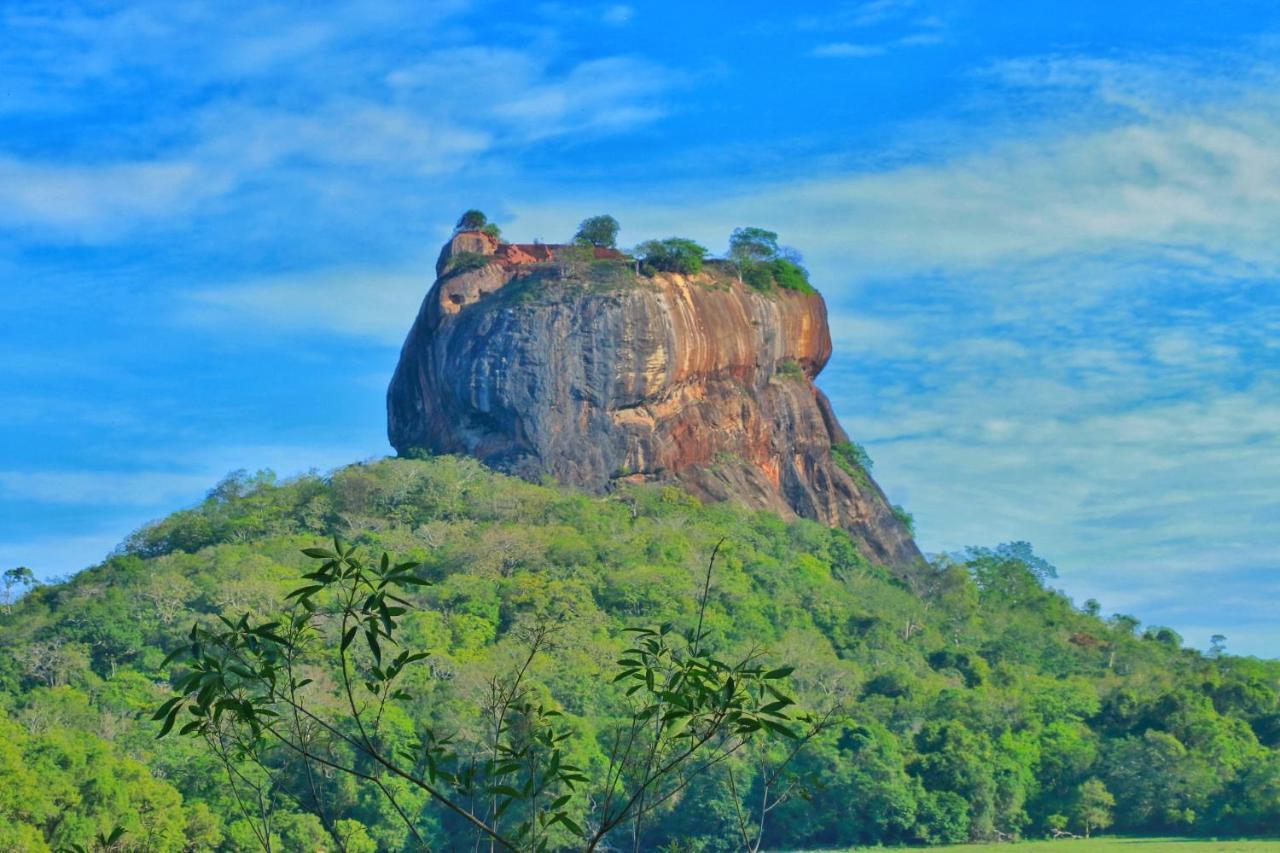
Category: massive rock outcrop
[540,363]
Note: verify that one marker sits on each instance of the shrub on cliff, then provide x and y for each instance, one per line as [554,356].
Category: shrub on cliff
[763,264]
[853,459]
[472,220]
[599,231]
[748,246]
[674,254]
[790,275]
[465,262]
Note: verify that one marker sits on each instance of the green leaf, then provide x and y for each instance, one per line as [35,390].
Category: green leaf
[168,723]
[573,827]
[319,553]
[347,638]
[173,654]
[779,728]
[780,672]
[412,580]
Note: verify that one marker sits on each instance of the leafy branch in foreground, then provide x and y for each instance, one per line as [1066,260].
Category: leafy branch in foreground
[244,690]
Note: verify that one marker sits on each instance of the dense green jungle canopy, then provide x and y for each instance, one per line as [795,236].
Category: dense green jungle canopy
[980,703]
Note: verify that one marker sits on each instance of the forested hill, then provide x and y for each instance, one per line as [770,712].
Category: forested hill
[980,703]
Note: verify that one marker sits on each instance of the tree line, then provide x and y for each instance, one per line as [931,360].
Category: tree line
[964,700]
[754,256]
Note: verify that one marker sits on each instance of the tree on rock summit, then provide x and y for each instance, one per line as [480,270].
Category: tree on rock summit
[599,231]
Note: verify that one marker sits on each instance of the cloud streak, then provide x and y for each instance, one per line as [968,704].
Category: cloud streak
[260,96]
[96,200]
[370,304]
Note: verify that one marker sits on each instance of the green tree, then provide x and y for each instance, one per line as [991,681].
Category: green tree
[66,789]
[244,690]
[15,580]
[674,254]
[1158,783]
[748,246]
[1092,809]
[471,220]
[599,231]
[956,759]
[762,263]
[942,817]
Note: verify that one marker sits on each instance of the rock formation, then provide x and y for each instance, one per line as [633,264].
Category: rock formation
[538,360]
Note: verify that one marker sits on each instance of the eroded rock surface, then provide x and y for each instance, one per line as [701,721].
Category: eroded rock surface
[596,376]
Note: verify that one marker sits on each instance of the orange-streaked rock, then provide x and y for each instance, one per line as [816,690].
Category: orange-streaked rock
[699,381]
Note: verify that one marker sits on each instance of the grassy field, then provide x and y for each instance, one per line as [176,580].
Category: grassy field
[1115,845]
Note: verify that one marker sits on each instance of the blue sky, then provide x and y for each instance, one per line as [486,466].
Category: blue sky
[1049,237]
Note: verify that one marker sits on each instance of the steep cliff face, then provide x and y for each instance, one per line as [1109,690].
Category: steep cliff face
[595,376]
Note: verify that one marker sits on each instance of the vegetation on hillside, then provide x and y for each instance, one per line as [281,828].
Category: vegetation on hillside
[967,699]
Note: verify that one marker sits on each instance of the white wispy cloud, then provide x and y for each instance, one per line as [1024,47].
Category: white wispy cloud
[161,478]
[883,26]
[847,50]
[320,103]
[867,13]
[99,199]
[116,488]
[612,14]
[515,90]
[374,304]
[618,14]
